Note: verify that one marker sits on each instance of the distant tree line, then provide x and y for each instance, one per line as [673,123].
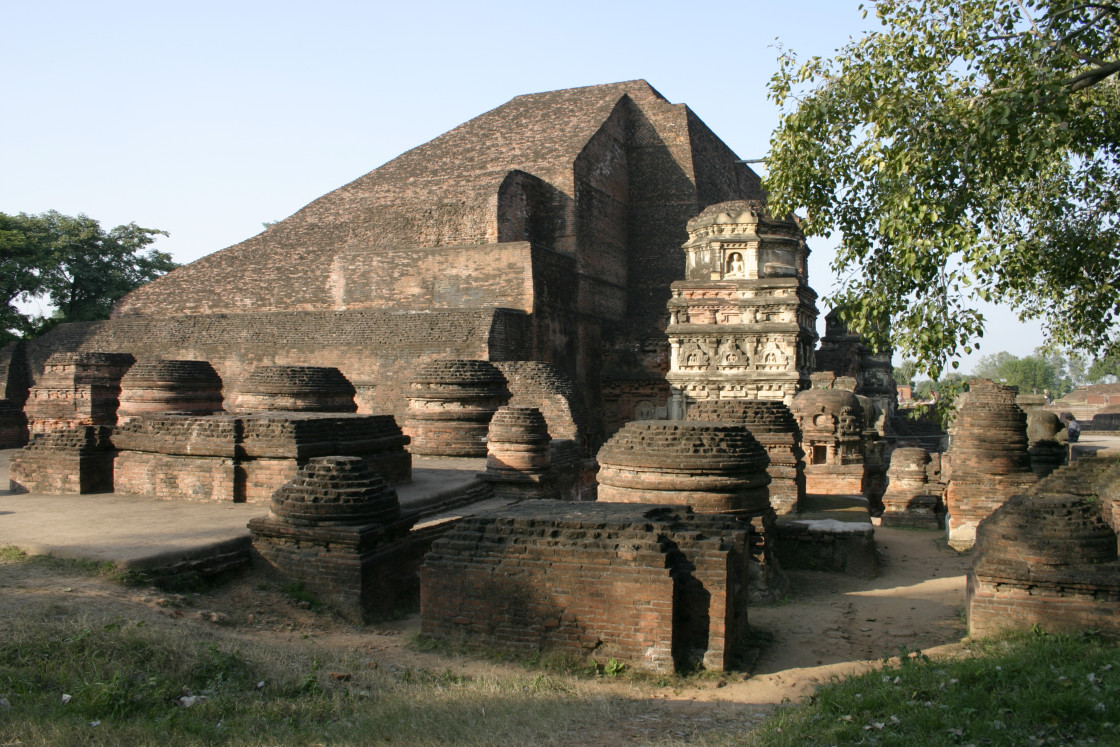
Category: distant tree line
[1040,372]
[72,264]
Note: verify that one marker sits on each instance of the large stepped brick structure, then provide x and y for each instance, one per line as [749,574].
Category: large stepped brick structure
[547,229]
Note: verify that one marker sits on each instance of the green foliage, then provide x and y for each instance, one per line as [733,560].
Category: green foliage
[1104,370]
[80,268]
[1034,373]
[968,150]
[944,388]
[904,372]
[1028,689]
[166,682]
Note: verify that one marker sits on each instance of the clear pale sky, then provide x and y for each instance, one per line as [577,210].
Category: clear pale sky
[206,119]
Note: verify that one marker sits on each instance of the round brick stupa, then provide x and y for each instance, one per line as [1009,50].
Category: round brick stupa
[336,491]
[712,467]
[909,500]
[152,386]
[518,454]
[295,388]
[989,457]
[773,425]
[450,404]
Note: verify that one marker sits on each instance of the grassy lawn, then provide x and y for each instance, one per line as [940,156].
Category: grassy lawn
[1027,689]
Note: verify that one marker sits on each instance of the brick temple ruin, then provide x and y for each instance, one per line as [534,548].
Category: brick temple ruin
[581,300]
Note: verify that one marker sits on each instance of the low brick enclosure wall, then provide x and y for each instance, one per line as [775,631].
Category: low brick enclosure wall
[655,587]
[826,545]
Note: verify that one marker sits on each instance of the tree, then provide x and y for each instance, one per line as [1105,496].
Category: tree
[1033,373]
[968,150]
[21,259]
[1104,370]
[946,388]
[904,372]
[80,268]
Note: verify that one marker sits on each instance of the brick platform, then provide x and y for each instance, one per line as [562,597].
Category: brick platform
[247,457]
[655,587]
[60,462]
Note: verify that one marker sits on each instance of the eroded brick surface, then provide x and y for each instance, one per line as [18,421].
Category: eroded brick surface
[1049,557]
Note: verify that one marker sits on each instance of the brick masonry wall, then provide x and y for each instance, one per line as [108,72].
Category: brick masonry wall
[1060,605]
[598,581]
[174,477]
[70,462]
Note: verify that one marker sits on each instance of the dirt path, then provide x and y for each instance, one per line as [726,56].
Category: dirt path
[830,626]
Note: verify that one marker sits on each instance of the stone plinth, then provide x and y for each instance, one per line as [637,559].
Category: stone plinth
[13,425]
[336,528]
[831,422]
[772,424]
[192,387]
[518,454]
[909,499]
[711,467]
[64,462]
[77,389]
[1046,559]
[655,587]
[990,461]
[450,404]
[238,458]
[295,388]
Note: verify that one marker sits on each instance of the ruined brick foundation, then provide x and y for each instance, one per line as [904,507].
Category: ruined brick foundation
[655,587]
[1049,558]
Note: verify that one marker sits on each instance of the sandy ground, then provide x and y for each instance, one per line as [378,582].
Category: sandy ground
[829,626]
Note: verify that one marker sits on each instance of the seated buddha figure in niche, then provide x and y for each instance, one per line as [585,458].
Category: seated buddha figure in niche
[736,268]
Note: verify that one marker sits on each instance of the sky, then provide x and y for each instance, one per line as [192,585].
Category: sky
[207,119]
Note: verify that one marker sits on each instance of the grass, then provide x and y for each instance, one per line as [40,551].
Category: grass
[156,683]
[1027,689]
[13,555]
